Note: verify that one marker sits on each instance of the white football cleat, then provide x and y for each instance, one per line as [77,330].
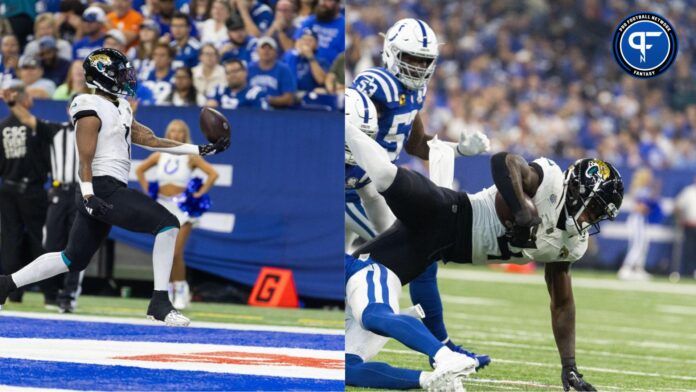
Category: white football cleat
[450,370]
[173,319]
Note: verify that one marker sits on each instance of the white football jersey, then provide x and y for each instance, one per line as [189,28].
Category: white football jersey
[552,244]
[112,155]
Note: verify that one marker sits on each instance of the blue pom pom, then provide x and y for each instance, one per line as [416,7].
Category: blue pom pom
[153,189]
[195,207]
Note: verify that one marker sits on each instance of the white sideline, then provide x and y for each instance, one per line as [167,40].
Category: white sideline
[194,324]
[591,283]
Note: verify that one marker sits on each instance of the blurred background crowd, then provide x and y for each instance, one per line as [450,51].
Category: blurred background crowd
[226,53]
[539,77]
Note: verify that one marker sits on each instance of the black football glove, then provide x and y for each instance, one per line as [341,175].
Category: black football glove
[96,206]
[214,148]
[523,231]
[572,378]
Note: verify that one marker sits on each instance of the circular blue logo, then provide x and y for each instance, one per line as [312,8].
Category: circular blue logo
[645,45]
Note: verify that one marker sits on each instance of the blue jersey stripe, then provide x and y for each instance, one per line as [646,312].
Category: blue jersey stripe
[425,35]
[370,286]
[393,81]
[366,119]
[21,327]
[389,94]
[80,376]
[383,280]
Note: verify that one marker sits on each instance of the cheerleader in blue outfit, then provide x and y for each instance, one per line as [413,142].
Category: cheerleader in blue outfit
[183,195]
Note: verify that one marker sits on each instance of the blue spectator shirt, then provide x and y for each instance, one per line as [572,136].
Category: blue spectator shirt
[331,36]
[83,47]
[276,81]
[249,96]
[300,67]
[397,106]
[188,55]
[245,52]
[161,88]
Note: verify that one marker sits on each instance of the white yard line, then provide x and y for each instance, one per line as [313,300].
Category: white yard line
[539,336]
[601,370]
[546,324]
[677,309]
[592,283]
[590,352]
[461,300]
[194,324]
[13,388]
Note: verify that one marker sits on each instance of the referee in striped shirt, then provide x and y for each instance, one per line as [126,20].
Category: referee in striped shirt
[61,197]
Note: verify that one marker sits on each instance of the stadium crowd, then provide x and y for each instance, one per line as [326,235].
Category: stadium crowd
[226,53]
[539,77]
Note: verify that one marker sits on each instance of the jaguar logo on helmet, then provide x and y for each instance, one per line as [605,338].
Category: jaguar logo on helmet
[597,168]
[99,60]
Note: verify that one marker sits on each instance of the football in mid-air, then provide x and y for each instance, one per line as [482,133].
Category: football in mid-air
[505,214]
[214,124]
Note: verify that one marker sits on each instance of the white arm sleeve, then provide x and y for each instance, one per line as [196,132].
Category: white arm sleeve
[376,208]
[184,149]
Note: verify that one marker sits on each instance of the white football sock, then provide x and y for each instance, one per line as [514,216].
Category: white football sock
[163,257]
[424,376]
[371,157]
[45,266]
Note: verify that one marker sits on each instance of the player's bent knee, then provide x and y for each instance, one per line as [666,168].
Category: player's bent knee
[75,261]
[170,222]
[374,317]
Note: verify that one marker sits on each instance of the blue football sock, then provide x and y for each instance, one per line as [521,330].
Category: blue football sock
[424,291]
[379,375]
[381,319]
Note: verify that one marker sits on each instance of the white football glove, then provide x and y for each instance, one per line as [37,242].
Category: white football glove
[473,144]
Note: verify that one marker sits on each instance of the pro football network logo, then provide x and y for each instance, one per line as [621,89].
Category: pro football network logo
[645,45]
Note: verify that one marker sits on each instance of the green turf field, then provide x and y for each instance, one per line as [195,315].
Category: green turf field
[630,336]
[240,314]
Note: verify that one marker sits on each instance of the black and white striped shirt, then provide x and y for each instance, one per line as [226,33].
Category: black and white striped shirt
[63,151]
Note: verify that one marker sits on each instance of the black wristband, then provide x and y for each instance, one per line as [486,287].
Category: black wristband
[568,362]
[501,178]
[11,103]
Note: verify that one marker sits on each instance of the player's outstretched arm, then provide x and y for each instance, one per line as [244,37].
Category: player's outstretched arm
[558,282]
[144,137]
[417,143]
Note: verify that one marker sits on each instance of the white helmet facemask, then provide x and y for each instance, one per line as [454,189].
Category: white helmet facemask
[362,114]
[410,52]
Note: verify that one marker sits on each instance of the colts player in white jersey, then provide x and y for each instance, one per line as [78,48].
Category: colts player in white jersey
[398,91]
[435,223]
[373,316]
[105,127]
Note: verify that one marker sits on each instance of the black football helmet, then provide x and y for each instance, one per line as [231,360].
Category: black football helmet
[595,187]
[110,71]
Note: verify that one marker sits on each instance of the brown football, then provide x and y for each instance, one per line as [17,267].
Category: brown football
[214,125]
[504,213]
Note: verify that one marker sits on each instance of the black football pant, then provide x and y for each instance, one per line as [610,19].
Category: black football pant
[22,216]
[59,220]
[132,210]
[429,227]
